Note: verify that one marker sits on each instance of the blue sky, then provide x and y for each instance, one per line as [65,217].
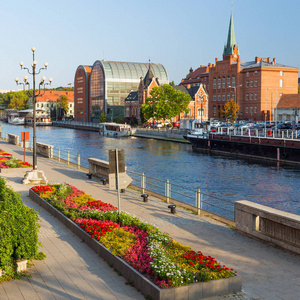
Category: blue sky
[176,33]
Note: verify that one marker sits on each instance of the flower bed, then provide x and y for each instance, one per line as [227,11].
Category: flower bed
[162,261]
[7,161]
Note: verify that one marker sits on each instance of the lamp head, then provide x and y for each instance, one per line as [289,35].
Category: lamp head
[43,79]
[46,65]
[34,62]
[50,80]
[25,79]
[21,64]
[33,49]
[16,80]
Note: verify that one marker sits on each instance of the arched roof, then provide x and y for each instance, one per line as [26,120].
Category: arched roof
[131,72]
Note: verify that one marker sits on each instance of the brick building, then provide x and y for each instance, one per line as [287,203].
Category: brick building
[256,86]
[288,108]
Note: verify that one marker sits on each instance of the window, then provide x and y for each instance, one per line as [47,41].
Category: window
[251,110]
[281,73]
[251,83]
[204,78]
[215,110]
[251,96]
[255,109]
[223,97]
[200,112]
[215,80]
[223,83]
[246,109]
[47,104]
[219,83]
[37,105]
[255,96]
[247,97]
[247,83]
[255,83]
[255,73]
[281,83]
[228,97]
[247,74]
[233,81]
[219,97]
[215,97]
[207,86]
[228,82]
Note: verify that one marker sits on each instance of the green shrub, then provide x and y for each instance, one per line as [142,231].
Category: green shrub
[18,229]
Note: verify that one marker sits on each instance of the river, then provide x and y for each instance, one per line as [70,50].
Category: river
[230,178]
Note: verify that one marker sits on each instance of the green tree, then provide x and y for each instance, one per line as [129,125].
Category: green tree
[103,117]
[172,83]
[230,110]
[165,102]
[16,100]
[62,102]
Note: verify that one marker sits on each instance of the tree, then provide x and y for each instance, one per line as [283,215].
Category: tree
[172,83]
[165,102]
[230,110]
[102,117]
[62,102]
[16,100]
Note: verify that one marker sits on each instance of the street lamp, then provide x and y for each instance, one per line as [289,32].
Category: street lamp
[266,113]
[34,176]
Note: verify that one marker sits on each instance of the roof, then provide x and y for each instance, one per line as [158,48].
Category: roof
[149,77]
[229,47]
[289,101]
[52,96]
[195,75]
[133,96]
[181,88]
[263,63]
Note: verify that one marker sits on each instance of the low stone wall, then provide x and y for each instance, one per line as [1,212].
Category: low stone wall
[193,291]
[44,149]
[13,139]
[165,133]
[99,167]
[268,224]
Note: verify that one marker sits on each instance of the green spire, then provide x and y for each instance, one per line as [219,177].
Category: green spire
[228,49]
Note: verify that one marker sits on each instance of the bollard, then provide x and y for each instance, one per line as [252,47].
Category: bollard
[58,154]
[78,162]
[68,157]
[143,181]
[167,192]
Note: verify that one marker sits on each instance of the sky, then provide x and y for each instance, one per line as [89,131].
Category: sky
[179,34]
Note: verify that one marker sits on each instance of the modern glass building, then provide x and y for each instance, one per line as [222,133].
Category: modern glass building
[111,82]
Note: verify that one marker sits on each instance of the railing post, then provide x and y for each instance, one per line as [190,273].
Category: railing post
[31,145]
[78,162]
[58,153]
[199,202]
[167,186]
[68,157]
[143,186]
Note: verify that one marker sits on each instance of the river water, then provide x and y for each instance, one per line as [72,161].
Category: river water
[224,177]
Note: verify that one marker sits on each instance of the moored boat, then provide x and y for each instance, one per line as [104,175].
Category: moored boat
[15,119]
[114,129]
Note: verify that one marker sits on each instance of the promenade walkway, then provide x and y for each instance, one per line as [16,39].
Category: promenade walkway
[73,271]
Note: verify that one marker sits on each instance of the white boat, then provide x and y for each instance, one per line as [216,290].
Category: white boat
[114,129]
[14,118]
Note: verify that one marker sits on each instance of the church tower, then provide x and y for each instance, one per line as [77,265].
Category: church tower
[231,49]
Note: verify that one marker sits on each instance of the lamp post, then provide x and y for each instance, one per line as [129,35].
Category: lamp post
[35,176]
[266,112]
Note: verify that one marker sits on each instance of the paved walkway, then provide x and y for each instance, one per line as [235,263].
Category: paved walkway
[73,271]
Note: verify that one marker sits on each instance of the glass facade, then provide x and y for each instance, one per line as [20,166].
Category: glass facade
[111,82]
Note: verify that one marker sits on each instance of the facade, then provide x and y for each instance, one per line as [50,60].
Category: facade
[256,86]
[109,84]
[81,93]
[46,104]
[198,107]
[287,109]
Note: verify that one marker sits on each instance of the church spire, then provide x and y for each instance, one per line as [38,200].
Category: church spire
[231,48]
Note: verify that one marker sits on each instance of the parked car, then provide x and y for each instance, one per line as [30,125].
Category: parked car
[176,124]
[284,126]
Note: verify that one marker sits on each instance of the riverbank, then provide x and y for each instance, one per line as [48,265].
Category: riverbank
[72,270]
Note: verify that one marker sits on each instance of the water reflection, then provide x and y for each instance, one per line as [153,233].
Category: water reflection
[222,176]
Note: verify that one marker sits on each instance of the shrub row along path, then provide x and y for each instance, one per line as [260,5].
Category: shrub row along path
[73,271]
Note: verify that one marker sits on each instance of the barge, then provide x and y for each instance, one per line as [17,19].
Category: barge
[278,149]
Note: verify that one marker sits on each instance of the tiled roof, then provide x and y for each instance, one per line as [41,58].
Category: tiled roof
[133,96]
[289,101]
[195,76]
[52,96]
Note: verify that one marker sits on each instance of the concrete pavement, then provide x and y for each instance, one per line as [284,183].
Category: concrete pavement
[73,271]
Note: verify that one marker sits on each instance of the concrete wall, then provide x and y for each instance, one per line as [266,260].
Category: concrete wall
[268,224]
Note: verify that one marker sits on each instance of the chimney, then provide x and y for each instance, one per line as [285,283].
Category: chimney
[216,59]
[257,59]
[268,59]
[274,60]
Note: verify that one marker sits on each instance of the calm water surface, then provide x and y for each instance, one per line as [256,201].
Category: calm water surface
[263,182]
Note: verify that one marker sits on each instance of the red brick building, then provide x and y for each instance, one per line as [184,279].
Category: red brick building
[256,86]
[81,93]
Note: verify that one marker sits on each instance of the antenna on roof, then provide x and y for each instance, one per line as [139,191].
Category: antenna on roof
[149,63]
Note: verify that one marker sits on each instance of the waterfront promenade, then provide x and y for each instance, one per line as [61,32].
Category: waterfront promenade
[73,271]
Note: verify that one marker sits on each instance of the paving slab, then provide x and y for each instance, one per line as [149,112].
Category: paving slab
[75,271]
